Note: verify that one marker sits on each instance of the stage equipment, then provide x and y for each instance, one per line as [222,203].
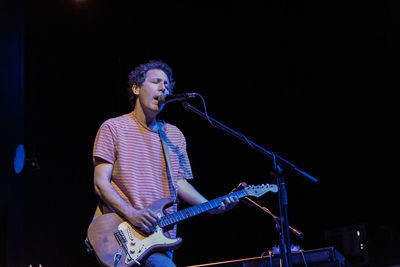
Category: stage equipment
[165,99]
[351,241]
[322,257]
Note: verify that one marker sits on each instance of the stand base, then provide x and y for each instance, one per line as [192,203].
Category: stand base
[322,257]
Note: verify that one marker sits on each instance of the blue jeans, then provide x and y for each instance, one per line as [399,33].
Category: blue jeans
[160,259]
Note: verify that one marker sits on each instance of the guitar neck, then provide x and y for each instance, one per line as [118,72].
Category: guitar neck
[184,214]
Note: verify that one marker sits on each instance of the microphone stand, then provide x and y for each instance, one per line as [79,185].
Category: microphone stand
[284,248]
[279,163]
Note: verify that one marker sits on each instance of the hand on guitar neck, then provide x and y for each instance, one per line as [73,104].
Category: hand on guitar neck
[227,203]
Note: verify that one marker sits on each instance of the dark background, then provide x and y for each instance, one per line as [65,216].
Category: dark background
[313,81]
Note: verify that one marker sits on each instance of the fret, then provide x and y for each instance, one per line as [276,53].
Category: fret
[163,222]
[199,208]
[216,202]
[187,213]
[171,218]
[175,217]
[179,216]
[194,210]
[183,215]
[191,212]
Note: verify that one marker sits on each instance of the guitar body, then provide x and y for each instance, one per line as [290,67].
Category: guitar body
[117,243]
[111,236]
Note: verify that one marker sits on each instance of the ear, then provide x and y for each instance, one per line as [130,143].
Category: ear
[135,89]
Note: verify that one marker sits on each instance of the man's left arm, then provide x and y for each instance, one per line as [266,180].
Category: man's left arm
[190,194]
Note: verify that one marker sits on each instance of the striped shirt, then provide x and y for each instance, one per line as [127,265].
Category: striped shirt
[139,168]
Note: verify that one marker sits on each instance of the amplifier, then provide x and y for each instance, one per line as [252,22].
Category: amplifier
[322,257]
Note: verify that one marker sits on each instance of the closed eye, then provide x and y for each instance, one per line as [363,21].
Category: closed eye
[157,81]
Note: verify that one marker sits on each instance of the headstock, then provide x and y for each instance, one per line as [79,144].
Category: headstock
[259,190]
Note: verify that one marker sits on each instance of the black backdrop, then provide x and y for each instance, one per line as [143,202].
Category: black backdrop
[310,80]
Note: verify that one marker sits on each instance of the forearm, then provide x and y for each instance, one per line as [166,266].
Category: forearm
[145,219]
[107,193]
[189,194]
[109,196]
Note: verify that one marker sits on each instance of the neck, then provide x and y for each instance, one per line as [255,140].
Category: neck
[148,118]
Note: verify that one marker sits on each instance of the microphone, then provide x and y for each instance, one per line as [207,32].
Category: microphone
[297,232]
[165,99]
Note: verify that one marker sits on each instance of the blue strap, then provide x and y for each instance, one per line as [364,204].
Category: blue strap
[164,139]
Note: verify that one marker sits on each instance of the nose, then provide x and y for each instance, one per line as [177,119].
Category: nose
[163,88]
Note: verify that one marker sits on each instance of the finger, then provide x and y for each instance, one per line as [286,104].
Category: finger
[145,229]
[230,202]
[155,216]
[146,223]
[227,201]
[149,222]
[229,205]
[150,217]
[234,200]
[151,214]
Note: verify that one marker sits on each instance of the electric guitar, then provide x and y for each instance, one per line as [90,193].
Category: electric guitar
[118,243]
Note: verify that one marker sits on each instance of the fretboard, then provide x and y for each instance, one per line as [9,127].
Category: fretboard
[171,219]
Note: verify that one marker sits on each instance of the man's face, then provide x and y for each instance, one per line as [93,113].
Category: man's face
[156,83]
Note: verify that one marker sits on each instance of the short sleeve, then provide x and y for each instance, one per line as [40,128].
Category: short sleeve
[185,169]
[105,143]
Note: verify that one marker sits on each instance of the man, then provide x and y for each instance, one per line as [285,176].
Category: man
[132,169]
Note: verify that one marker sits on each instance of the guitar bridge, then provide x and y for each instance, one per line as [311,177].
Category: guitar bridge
[120,236]
[121,239]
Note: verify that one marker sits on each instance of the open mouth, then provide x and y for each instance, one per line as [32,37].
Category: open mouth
[157,99]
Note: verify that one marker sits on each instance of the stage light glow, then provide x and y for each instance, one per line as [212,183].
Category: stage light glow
[19,158]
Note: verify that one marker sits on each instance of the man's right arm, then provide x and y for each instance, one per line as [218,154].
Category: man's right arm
[145,219]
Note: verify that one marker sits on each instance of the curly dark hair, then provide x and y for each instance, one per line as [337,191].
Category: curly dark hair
[138,75]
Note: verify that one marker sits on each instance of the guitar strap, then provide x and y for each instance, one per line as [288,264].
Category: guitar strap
[171,180]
